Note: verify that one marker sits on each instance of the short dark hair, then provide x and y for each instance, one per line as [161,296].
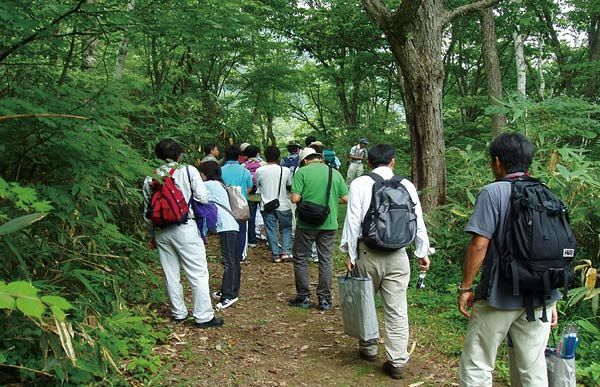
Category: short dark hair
[251,151]
[514,151]
[208,148]
[309,140]
[272,154]
[168,149]
[232,153]
[381,154]
[212,170]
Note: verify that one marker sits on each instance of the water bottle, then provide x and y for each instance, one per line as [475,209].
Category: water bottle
[422,274]
[568,342]
[421,280]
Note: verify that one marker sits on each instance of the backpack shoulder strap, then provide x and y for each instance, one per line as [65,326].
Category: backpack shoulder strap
[378,179]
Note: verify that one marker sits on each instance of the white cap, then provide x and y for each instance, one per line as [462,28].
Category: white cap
[244,146]
[306,152]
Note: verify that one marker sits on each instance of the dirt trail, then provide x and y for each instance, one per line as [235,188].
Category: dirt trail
[266,342]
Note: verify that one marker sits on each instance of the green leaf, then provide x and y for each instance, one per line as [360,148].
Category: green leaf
[471,197]
[7,302]
[19,223]
[21,289]
[58,313]
[564,172]
[58,302]
[31,307]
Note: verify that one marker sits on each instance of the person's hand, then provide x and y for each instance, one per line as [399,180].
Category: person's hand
[465,300]
[151,244]
[424,263]
[554,318]
[349,264]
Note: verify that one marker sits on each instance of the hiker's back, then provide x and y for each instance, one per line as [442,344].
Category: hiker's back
[391,220]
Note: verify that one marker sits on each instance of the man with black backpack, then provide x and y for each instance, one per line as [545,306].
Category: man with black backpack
[522,241]
[176,235]
[383,217]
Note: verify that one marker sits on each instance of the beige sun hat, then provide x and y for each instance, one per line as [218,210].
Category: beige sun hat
[305,152]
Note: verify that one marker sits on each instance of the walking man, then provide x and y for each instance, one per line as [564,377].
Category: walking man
[496,312]
[319,185]
[389,270]
[358,154]
[180,244]
[211,152]
[276,209]
[235,175]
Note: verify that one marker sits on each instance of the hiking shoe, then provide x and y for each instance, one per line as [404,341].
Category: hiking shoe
[276,259]
[393,372]
[226,303]
[217,295]
[214,323]
[253,245]
[324,304]
[300,302]
[367,357]
[178,320]
[286,257]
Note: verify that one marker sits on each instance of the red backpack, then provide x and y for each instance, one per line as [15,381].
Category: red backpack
[167,203]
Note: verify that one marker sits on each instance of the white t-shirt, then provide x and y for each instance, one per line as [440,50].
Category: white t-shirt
[267,179]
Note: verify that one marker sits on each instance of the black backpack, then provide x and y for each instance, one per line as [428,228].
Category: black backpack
[540,244]
[390,222]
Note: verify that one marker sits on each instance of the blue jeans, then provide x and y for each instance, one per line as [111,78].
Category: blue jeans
[284,219]
[252,222]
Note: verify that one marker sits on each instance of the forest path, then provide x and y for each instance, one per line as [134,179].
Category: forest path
[266,342]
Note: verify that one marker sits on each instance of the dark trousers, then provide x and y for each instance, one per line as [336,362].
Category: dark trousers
[252,222]
[303,241]
[230,285]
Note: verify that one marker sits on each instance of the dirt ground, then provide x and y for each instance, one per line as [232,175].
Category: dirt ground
[264,342]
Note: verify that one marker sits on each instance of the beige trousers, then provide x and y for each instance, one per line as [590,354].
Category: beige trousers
[390,273]
[354,170]
[487,329]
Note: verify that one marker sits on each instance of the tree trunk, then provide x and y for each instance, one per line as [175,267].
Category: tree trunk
[414,33]
[417,48]
[90,48]
[520,62]
[540,70]
[594,55]
[492,67]
[123,46]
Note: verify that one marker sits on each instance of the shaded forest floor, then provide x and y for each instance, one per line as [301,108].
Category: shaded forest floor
[266,342]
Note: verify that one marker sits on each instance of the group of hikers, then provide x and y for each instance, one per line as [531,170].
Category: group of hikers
[298,196]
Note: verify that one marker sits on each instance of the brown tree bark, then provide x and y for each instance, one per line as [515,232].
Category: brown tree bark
[492,67]
[414,32]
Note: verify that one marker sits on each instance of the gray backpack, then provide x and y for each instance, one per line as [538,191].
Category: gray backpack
[390,222]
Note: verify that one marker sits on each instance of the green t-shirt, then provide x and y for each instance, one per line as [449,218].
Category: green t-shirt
[310,182]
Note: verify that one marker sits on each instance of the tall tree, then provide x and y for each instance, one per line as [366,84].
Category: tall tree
[492,67]
[414,33]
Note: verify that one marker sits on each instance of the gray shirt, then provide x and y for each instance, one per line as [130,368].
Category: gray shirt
[489,219]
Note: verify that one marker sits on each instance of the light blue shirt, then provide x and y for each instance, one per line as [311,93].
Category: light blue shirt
[218,195]
[236,175]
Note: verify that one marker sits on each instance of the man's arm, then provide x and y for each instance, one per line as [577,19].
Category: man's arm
[474,259]
[344,199]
